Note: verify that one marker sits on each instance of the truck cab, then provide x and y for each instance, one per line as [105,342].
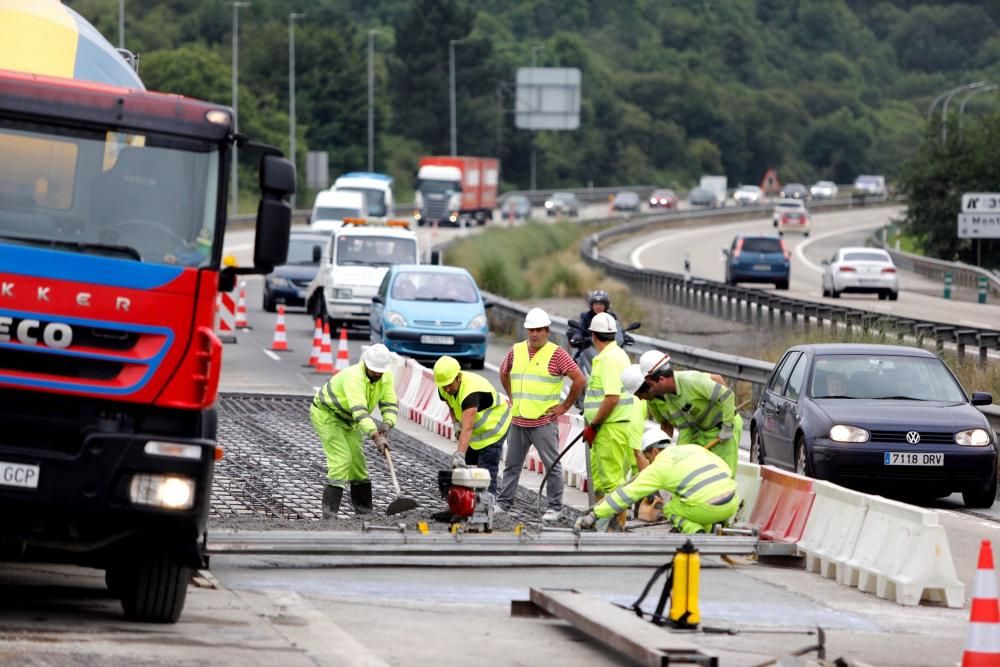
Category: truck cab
[331,207]
[352,266]
[376,188]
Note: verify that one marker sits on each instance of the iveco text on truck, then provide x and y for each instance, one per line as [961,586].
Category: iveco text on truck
[112,213]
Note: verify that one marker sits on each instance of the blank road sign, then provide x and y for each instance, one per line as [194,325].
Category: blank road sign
[548,98]
[979,225]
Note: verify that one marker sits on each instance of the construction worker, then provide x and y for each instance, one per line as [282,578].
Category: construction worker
[700,407]
[702,491]
[532,375]
[608,410]
[481,416]
[341,414]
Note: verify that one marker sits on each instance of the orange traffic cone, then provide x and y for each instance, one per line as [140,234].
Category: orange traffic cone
[241,308]
[325,363]
[317,344]
[280,341]
[982,644]
[343,361]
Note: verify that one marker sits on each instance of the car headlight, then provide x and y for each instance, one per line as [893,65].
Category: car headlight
[975,437]
[279,282]
[477,322]
[173,492]
[395,319]
[548,204]
[844,433]
[341,293]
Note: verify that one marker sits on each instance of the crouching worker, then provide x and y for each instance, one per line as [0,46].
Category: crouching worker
[341,414]
[702,492]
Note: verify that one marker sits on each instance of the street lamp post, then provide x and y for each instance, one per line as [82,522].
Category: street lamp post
[121,24]
[234,184]
[371,100]
[947,99]
[291,90]
[973,93]
[451,92]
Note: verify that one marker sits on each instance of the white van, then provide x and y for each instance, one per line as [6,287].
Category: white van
[330,209]
[377,189]
[353,263]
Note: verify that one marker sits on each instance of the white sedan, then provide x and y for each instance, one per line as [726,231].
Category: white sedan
[863,270]
[824,190]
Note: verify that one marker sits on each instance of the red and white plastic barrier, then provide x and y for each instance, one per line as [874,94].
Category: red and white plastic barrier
[782,505]
[225,317]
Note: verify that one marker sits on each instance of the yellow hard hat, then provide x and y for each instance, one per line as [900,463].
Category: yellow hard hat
[446,369]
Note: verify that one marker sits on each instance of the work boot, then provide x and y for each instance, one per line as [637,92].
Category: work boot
[361,497]
[331,501]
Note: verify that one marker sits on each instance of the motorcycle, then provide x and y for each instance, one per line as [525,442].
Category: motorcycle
[579,339]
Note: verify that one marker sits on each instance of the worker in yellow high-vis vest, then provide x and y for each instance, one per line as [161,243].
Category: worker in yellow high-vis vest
[532,374]
[702,493]
[608,410]
[341,413]
[481,416]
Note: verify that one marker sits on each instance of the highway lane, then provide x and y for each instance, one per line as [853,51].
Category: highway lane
[919,298]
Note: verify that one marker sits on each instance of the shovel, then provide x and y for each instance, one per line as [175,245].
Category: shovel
[401,503]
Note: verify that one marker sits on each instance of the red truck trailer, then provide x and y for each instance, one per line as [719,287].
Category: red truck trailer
[452,189]
[112,215]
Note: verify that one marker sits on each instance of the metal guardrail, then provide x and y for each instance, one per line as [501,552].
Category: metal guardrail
[963,274]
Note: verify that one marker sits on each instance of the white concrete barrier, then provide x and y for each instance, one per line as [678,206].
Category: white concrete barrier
[832,530]
[747,486]
[902,554]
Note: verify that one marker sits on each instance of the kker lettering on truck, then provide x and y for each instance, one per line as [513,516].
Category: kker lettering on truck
[82,298]
[54,334]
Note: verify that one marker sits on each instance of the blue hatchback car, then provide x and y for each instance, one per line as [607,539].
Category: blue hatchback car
[427,311]
[758,259]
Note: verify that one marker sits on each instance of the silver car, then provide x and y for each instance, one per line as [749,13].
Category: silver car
[862,270]
[562,203]
[748,195]
[823,190]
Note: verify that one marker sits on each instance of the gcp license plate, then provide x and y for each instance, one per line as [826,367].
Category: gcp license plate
[18,474]
[437,340]
[761,267]
[913,459]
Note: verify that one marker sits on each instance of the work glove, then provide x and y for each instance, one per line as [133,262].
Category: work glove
[384,427]
[458,460]
[586,522]
[381,442]
[726,432]
[590,432]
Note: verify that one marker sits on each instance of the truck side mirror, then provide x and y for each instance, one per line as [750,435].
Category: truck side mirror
[317,253]
[274,214]
[435,257]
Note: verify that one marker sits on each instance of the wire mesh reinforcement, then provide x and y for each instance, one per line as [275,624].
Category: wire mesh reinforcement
[274,469]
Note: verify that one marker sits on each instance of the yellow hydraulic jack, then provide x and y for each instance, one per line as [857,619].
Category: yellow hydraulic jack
[680,588]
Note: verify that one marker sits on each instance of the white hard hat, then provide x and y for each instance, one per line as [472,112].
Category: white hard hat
[654,437]
[603,323]
[536,319]
[654,360]
[376,358]
[632,378]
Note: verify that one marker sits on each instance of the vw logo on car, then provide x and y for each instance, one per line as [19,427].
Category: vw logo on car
[913,437]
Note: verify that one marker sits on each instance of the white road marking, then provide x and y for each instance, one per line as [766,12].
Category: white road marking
[493,367]
[272,355]
[800,248]
[633,257]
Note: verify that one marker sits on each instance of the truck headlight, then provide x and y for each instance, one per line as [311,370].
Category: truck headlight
[173,492]
[395,319]
[341,293]
[477,322]
[975,437]
[844,433]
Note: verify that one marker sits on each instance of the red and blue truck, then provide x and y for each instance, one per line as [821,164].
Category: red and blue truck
[112,216]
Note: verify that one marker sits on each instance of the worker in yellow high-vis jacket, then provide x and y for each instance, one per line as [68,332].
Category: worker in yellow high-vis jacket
[702,493]
[341,413]
[482,417]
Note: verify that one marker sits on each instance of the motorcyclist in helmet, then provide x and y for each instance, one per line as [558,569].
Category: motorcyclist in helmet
[600,302]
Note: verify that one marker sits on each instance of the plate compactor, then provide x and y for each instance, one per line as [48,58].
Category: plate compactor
[470,504]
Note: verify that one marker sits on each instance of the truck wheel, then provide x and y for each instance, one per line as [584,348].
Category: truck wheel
[153,589]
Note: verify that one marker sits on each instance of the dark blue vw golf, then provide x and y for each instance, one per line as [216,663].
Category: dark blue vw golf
[879,418]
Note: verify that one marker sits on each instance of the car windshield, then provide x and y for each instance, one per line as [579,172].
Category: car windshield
[334,213]
[563,196]
[875,377]
[866,257]
[137,196]
[375,250]
[433,286]
[761,245]
[866,180]
[517,201]
[663,193]
[300,250]
[627,197]
[374,199]
[749,189]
